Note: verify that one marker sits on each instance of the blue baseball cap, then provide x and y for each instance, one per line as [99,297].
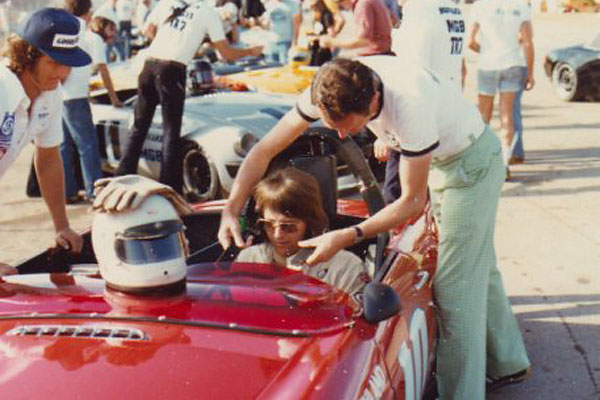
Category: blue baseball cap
[55,33]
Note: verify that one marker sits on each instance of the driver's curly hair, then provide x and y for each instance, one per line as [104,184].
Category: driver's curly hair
[343,86]
[21,55]
[293,193]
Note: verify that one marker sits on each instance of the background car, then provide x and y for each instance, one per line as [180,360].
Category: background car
[575,71]
[238,331]
[218,130]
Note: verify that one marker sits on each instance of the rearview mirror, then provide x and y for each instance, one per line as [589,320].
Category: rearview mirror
[380,302]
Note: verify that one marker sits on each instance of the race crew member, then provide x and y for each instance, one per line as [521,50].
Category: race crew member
[78,125]
[178,29]
[432,35]
[429,121]
[37,59]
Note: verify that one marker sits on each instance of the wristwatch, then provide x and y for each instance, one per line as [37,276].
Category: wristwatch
[360,235]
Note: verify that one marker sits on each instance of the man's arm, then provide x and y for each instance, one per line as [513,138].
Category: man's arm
[472,38]
[414,172]
[49,168]
[527,39]
[252,170]
[108,84]
[297,22]
[232,53]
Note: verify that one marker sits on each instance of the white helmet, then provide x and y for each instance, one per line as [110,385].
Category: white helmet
[141,249]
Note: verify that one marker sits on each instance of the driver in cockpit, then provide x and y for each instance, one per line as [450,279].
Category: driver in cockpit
[290,206]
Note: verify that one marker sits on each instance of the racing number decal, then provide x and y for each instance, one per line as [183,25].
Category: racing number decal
[412,357]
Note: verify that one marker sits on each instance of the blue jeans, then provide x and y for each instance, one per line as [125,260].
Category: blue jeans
[279,52]
[79,132]
[518,151]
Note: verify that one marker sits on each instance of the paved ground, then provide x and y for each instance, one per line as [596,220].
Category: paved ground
[547,239]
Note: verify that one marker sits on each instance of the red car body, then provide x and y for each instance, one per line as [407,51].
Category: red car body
[239,331]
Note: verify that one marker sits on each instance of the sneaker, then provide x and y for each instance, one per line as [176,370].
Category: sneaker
[492,384]
[75,199]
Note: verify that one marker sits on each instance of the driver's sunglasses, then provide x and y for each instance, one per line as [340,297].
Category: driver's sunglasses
[286,227]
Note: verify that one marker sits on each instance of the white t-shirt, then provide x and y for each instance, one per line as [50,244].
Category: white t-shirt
[76,86]
[500,22]
[280,14]
[179,39]
[421,113]
[432,34]
[16,128]
[125,9]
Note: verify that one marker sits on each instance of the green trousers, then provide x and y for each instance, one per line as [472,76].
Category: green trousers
[478,331]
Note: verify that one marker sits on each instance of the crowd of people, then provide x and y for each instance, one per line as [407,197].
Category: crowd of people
[410,84]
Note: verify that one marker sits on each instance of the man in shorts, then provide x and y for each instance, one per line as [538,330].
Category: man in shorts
[502,35]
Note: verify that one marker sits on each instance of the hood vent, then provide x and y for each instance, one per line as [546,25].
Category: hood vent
[79,331]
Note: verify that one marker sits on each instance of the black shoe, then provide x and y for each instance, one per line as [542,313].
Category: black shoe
[492,384]
[75,199]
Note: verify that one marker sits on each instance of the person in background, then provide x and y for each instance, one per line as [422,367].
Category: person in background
[501,33]
[229,11]
[125,10]
[142,11]
[374,29]
[177,30]
[282,17]
[290,206]
[78,126]
[38,58]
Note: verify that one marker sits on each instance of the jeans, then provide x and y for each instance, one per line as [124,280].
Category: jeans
[79,133]
[279,52]
[518,151]
[159,82]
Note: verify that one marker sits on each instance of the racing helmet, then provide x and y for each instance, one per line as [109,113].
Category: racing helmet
[142,249]
[200,77]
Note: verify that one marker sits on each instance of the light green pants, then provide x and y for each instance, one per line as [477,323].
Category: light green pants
[478,331]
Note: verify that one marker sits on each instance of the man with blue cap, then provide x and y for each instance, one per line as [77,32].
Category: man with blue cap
[36,60]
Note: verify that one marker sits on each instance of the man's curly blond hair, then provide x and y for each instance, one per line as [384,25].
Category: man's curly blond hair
[21,55]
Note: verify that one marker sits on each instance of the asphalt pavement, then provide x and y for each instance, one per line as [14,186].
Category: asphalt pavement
[548,239]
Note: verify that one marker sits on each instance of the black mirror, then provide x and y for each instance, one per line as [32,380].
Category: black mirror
[380,302]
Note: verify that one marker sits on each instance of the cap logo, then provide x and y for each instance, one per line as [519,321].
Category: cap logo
[65,41]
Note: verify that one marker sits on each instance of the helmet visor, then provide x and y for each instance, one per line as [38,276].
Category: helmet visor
[151,243]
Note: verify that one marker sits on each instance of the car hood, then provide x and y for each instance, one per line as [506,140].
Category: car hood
[230,335]
[254,112]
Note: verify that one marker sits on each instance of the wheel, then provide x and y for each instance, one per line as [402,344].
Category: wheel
[566,83]
[200,178]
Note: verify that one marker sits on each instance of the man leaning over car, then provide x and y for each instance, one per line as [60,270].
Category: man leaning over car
[38,58]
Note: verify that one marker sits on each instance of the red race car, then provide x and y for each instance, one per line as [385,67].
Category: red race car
[239,330]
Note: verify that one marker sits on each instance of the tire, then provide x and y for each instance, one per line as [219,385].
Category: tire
[200,177]
[566,83]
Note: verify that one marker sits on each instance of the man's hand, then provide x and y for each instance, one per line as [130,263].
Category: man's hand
[228,229]
[70,240]
[6,269]
[529,82]
[381,151]
[328,244]
[256,51]
[129,192]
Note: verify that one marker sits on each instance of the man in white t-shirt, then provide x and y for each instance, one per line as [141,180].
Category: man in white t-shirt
[37,59]
[502,35]
[178,29]
[429,121]
[125,11]
[78,126]
[432,35]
